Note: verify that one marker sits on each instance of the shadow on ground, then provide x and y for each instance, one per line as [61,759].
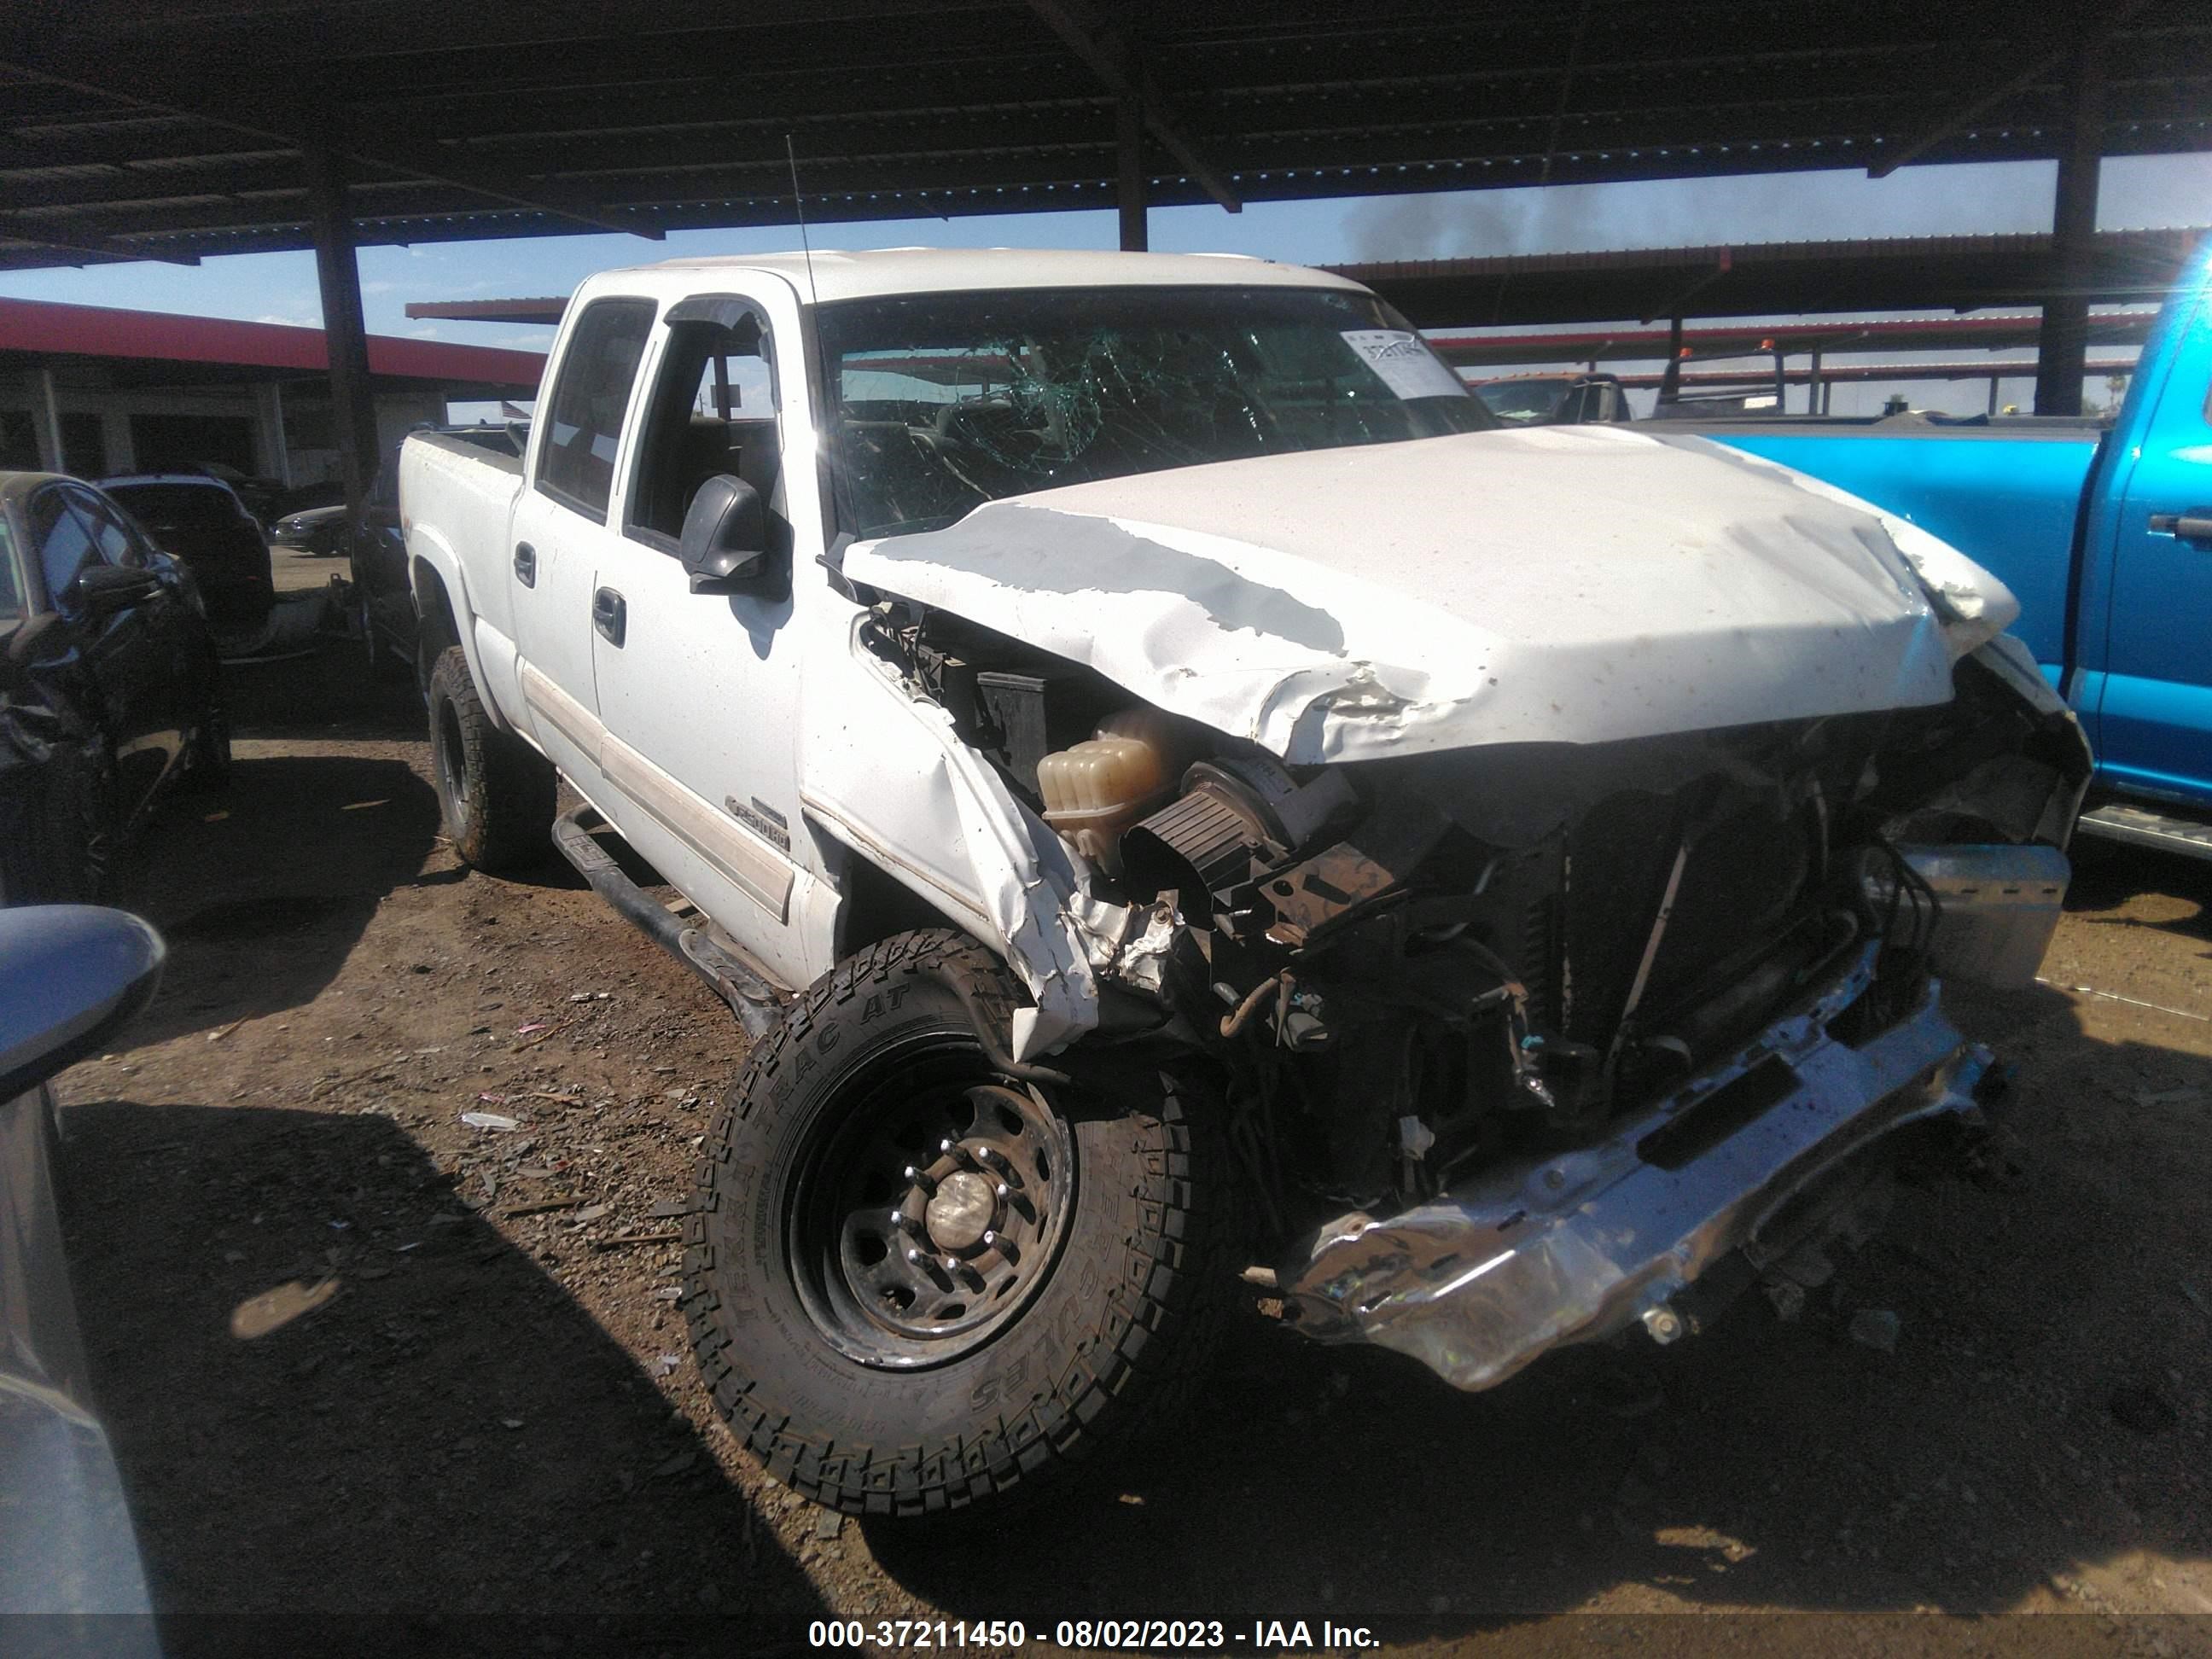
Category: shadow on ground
[2142,888]
[263,889]
[544,1470]
[2044,1407]
[329,693]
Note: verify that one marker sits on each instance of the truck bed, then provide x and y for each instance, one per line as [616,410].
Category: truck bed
[456,502]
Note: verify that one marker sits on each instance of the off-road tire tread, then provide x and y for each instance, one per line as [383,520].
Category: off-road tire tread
[1147,1377]
[512,827]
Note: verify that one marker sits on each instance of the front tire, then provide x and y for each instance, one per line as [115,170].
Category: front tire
[1070,1269]
[495,793]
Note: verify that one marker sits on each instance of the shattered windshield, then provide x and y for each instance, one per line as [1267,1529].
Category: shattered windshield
[943,401]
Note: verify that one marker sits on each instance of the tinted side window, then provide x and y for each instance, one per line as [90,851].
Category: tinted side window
[63,541]
[117,544]
[583,421]
[11,591]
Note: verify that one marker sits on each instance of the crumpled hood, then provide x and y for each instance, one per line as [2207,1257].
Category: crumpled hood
[1561,584]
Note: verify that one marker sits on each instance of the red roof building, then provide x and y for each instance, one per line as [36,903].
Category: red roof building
[100,392]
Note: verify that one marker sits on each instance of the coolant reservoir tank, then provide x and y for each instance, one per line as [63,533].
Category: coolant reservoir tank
[1097,789]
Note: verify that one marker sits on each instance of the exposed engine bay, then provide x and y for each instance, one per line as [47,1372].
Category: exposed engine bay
[1417,968]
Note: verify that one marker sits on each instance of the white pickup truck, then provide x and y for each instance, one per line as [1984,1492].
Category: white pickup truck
[1186,803]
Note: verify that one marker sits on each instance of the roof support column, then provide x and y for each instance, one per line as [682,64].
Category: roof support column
[46,420]
[2062,349]
[1129,158]
[1670,381]
[339,274]
[274,455]
[1813,388]
[120,449]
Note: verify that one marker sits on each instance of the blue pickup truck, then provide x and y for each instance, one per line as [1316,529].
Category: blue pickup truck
[2104,532]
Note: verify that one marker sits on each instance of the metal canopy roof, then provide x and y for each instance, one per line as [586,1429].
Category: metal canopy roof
[1754,378]
[1920,273]
[1904,273]
[180,129]
[1766,339]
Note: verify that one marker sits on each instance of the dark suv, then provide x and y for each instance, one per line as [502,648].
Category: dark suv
[200,521]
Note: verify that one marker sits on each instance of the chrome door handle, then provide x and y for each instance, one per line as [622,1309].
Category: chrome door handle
[526,564]
[610,615]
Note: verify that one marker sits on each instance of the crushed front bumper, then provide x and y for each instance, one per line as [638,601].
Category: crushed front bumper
[1574,1247]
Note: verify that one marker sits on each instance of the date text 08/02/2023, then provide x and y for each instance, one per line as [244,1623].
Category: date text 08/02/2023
[1134,1635]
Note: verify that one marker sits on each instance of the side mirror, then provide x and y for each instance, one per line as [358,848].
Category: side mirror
[723,545]
[70,976]
[104,589]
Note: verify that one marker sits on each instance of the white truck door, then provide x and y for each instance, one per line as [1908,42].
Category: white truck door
[560,530]
[700,691]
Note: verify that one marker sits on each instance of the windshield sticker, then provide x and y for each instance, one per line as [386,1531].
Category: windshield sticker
[1406,365]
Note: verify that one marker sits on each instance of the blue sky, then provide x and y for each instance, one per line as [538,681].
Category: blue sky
[2135,192]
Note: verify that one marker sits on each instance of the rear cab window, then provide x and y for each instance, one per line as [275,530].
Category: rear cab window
[583,419]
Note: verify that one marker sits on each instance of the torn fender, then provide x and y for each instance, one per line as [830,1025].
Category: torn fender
[1563,584]
[932,814]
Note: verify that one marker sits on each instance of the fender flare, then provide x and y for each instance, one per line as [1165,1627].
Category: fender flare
[426,548]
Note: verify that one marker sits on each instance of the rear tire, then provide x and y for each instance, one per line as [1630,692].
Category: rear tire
[877,1387]
[385,667]
[207,765]
[495,793]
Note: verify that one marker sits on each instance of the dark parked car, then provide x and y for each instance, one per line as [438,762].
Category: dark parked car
[70,976]
[1554,399]
[262,497]
[324,492]
[320,530]
[201,520]
[108,684]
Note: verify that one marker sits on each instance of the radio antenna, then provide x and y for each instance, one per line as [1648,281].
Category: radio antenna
[799,202]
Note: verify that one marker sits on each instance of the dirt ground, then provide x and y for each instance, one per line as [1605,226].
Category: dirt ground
[358,1355]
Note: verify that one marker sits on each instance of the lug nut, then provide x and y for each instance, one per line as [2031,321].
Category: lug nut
[916,1177]
[994,1241]
[1664,1324]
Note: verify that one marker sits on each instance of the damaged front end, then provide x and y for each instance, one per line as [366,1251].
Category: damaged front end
[1588,973]
[1527,1043]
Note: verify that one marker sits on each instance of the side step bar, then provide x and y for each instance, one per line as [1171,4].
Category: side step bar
[757,1003]
[2132,824]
